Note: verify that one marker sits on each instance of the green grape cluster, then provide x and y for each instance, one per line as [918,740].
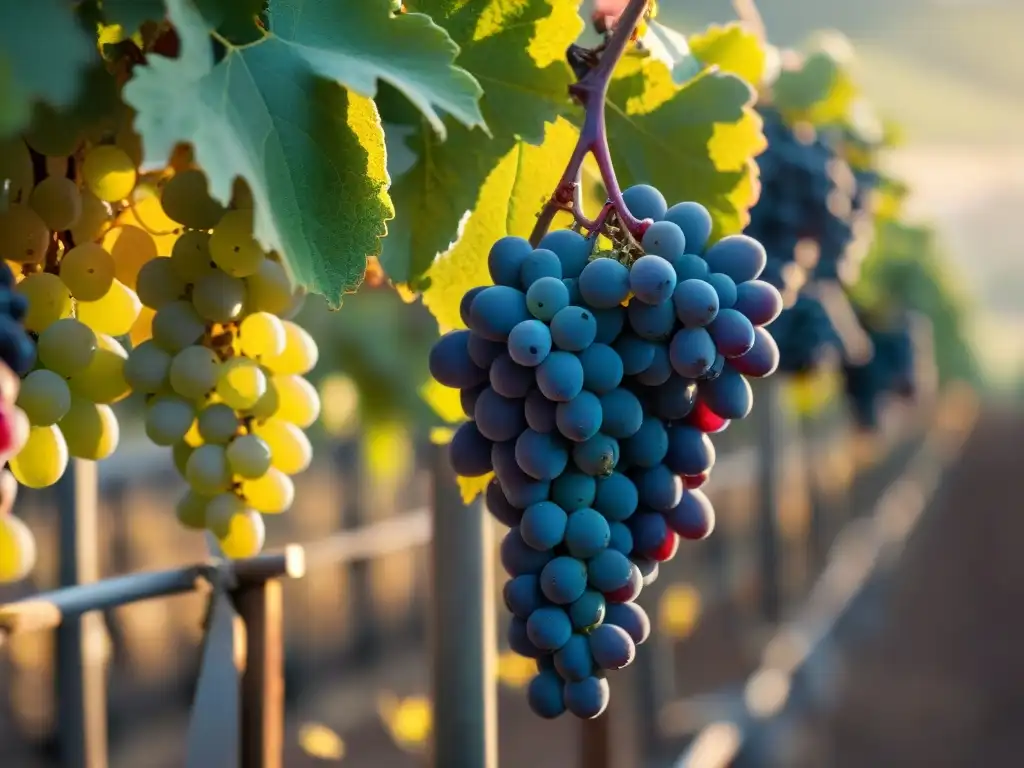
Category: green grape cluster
[223,371]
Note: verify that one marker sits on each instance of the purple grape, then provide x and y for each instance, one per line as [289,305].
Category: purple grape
[529,343]
[692,352]
[695,221]
[546,695]
[740,257]
[498,418]
[761,302]
[616,496]
[470,451]
[602,368]
[612,647]
[572,248]
[505,260]
[586,533]
[543,525]
[573,329]
[563,580]
[604,283]
[695,303]
[537,264]
[664,239]
[732,333]
[541,455]
[496,310]
[652,278]
[580,418]
[574,660]
[645,202]
[549,628]
[560,376]
[545,297]
[450,363]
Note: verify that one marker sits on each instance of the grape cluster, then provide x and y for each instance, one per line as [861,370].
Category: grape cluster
[891,370]
[592,382]
[805,336]
[223,371]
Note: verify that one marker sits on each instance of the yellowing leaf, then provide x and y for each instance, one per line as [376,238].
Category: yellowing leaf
[515,671]
[733,48]
[321,742]
[388,450]
[444,401]
[808,394]
[471,487]
[339,411]
[679,610]
[410,721]
[441,435]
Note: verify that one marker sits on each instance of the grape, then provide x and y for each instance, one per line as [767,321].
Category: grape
[724,287]
[300,354]
[630,617]
[573,660]
[573,329]
[619,538]
[653,322]
[48,300]
[560,376]
[540,455]
[623,413]
[191,510]
[597,456]
[218,297]
[522,595]
[610,323]
[131,248]
[543,525]
[648,446]
[466,301]
[666,240]
[636,353]
[634,585]
[702,418]
[693,517]
[696,303]
[563,580]
[690,451]
[168,419]
[246,534]
[108,172]
[729,396]
[694,220]
[658,487]
[298,401]
[689,266]
[645,202]
[57,201]
[92,220]
[616,497]
[648,570]
[650,532]
[762,359]
[604,283]
[529,343]
[158,284]
[67,347]
[537,264]
[740,257]
[586,533]
[261,333]
[272,493]
[16,347]
[190,256]
[579,419]
[186,200]
[588,698]
[518,558]
[450,363]
[18,550]
[269,289]
[692,352]
[219,511]
[88,271]
[499,506]
[24,237]
[520,489]
[16,169]
[177,325]
[572,248]
[545,297]
[674,399]
[505,260]
[498,418]
[732,333]
[602,368]
[241,383]
[249,456]
[194,372]
[90,430]
[217,423]
[588,610]
[541,413]
[572,285]
[544,695]
[103,380]
[612,647]
[573,490]
[496,311]
[484,352]
[44,397]
[42,459]
[114,314]
[519,641]
[470,451]
[759,301]
[232,245]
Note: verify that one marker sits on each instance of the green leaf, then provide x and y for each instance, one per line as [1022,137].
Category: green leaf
[516,49]
[694,142]
[673,49]
[130,14]
[734,49]
[274,113]
[43,53]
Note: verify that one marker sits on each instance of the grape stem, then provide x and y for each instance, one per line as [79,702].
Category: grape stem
[592,92]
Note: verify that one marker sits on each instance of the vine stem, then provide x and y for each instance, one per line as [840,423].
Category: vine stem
[592,92]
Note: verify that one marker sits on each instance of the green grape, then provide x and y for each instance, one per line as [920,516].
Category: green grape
[42,460]
[218,423]
[103,381]
[233,247]
[147,368]
[180,452]
[249,456]
[242,383]
[88,271]
[48,300]
[219,511]
[194,372]
[218,297]
[268,405]
[53,133]
[298,400]
[186,200]
[158,284]
[90,429]
[168,419]
[17,549]
[109,173]
[191,510]
[177,325]
[207,470]
[269,289]
[300,353]
[190,256]
[24,237]
[270,494]
[261,333]
[93,220]
[290,448]
[67,346]
[57,201]
[115,313]
[246,536]
[44,397]
[132,248]
[16,169]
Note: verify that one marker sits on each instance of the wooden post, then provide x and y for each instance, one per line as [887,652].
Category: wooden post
[596,743]
[80,674]
[262,712]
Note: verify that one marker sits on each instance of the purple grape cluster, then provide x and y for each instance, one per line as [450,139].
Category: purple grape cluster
[592,382]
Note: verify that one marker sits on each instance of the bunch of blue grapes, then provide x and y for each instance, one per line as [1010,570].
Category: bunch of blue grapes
[17,349]
[592,382]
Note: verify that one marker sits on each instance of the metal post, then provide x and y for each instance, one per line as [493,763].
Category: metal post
[769,448]
[80,675]
[463,627]
[262,711]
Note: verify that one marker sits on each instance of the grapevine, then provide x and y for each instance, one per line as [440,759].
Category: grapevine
[592,373]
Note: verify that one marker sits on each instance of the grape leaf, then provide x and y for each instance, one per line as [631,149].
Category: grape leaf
[509,200]
[733,48]
[672,48]
[516,49]
[693,142]
[43,54]
[275,113]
